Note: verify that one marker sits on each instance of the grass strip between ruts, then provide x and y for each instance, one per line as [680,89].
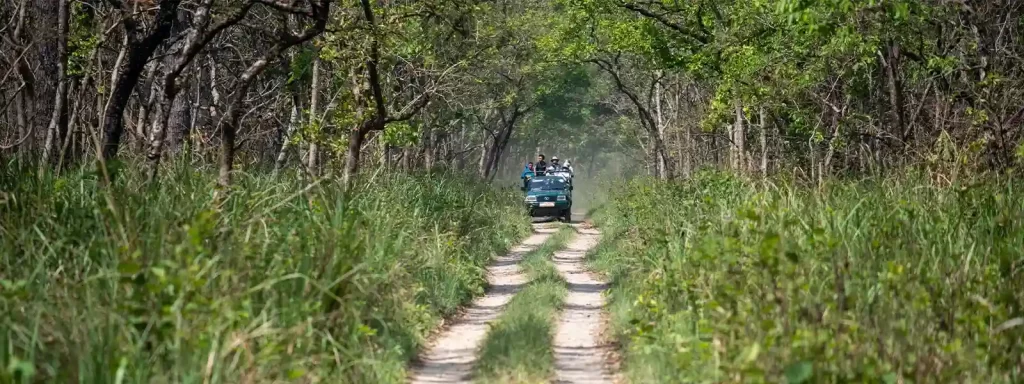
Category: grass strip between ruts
[518,347]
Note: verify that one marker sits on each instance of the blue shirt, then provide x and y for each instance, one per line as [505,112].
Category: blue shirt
[526,173]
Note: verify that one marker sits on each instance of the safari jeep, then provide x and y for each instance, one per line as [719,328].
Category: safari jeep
[550,196]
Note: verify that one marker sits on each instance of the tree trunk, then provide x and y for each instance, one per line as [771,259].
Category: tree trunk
[682,138]
[179,122]
[138,54]
[23,99]
[896,92]
[813,149]
[355,146]
[826,163]
[501,145]
[57,130]
[70,119]
[229,125]
[20,101]
[47,37]
[661,152]
[170,107]
[212,111]
[662,156]
[115,73]
[484,165]
[763,123]
[739,135]
[293,121]
[179,115]
[690,147]
[312,165]
[148,104]
[428,146]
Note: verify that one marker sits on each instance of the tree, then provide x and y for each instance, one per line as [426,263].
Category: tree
[318,13]
[141,45]
[195,40]
[57,130]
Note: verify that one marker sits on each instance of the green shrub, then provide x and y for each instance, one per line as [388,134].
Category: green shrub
[136,283]
[721,280]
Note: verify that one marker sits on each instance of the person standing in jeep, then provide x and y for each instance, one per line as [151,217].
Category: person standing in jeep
[554,166]
[541,166]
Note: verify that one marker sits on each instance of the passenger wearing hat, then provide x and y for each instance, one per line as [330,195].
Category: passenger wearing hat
[554,166]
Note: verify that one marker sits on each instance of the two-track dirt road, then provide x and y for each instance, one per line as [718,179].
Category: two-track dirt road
[581,355]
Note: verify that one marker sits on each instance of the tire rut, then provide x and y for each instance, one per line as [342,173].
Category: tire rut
[450,358]
[582,354]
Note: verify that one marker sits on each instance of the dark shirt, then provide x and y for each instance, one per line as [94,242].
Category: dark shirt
[540,167]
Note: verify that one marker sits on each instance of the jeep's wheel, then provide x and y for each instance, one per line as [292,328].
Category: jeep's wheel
[567,216]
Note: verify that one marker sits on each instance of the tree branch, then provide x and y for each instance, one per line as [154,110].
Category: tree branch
[286,7]
[660,18]
[645,115]
[372,63]
[410,110]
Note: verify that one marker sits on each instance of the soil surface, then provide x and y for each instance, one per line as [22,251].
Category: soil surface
[450,357]
[582,352]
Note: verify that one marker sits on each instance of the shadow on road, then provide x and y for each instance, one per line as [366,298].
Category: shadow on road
[577,218]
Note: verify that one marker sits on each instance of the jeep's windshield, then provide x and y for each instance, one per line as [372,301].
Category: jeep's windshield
[547,184]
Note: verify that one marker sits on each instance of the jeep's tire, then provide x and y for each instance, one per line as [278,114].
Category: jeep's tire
[567,216]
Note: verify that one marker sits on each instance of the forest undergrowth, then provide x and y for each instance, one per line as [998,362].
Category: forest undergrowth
[895,280]
[279,282]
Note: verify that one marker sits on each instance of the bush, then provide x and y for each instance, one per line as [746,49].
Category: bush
[718,279]
[136,283]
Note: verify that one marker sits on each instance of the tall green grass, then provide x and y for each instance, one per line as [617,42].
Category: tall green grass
[518,348]
[279,282]
[720,280]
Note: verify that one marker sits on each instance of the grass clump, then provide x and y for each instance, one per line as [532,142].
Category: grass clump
[720,280]
[518,347]
[164,284]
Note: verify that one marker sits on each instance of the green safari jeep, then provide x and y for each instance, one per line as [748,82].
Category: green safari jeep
[549,196]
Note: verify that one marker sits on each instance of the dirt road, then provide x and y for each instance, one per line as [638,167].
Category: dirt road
[451,356]
[581,356]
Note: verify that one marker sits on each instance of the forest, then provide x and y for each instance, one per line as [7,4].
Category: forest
[306,190]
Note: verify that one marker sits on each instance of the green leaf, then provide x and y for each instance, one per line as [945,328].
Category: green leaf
[770,243]
[366,330]
[797,373]
[128,268]
[751,353]
[21,369]
[295,373]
